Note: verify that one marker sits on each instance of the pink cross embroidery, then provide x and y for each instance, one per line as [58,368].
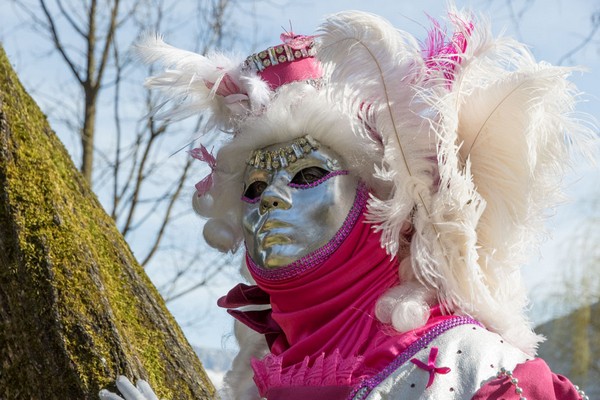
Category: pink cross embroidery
[430,366]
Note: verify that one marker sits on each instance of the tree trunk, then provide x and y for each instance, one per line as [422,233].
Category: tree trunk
[87,134]
[76,309]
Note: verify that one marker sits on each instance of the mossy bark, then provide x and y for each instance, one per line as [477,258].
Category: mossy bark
[76,309]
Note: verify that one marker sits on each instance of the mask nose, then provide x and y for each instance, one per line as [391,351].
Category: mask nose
[275,197]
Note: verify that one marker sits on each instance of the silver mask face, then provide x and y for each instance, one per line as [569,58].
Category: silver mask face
[293,210]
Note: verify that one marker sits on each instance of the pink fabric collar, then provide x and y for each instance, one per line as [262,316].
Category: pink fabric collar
[329,306]
[322,317]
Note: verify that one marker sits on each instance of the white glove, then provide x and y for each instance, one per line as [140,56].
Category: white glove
[130,392]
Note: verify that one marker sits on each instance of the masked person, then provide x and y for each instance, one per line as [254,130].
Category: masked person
[385,193]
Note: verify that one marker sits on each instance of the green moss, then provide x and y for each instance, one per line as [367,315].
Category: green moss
[79,290]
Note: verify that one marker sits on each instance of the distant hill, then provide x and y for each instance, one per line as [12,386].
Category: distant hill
[573,347]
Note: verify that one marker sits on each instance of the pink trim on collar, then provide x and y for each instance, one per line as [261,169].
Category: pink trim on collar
[362,391]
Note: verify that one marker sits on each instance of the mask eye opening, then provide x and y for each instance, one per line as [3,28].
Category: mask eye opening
[309,175]
[254,191]
[313,176]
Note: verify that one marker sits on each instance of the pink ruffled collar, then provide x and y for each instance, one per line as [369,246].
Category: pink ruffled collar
[332,370]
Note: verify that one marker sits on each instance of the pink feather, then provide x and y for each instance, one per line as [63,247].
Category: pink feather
[442,53]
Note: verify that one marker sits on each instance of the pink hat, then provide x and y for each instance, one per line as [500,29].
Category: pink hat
[289,62]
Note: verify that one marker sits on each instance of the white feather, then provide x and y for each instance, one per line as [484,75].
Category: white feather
[495,136]
[503,149]
[189,81]
[372,69]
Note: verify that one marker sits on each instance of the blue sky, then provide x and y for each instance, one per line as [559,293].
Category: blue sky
[551,28]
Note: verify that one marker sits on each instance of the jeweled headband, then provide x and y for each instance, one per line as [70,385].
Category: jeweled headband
[283,156]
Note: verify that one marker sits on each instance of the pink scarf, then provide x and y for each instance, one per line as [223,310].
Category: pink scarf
[322,330]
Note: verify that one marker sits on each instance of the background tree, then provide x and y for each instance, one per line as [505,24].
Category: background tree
[573,345]
[573,338]
[142,188]
[91,28]
[76,309]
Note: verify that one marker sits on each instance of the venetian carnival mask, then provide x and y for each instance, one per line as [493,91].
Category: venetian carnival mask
[297,195]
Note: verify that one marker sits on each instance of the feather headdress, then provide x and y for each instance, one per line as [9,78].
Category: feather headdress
[474,135]
[505,126]
[192,83]
[368,62]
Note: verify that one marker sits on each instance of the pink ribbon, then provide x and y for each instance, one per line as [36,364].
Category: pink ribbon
[202,154]
[296,42]
[227,86]
[233,97]
[430,366]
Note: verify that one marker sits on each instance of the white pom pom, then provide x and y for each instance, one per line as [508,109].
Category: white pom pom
[203,205]
[406,306]
[384,307]
[220,235]
[410,314]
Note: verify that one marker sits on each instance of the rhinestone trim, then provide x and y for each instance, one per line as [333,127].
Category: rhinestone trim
[279,54]
[581,393]
[283,156]
[318,256]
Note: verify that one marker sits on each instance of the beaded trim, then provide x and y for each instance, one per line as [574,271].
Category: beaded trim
[362,391]
[581,393]
[318,182]
[519,390]
[514,381]
[279,54]
[318,256]
[283,156]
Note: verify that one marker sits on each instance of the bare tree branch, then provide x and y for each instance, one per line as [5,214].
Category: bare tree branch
[195,286]
[108,42]
[167,216]
[71,21]
[118,132]
[154,132]
[58,43]
[595,19]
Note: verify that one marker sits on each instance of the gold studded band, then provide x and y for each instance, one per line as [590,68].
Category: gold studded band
[283,156]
